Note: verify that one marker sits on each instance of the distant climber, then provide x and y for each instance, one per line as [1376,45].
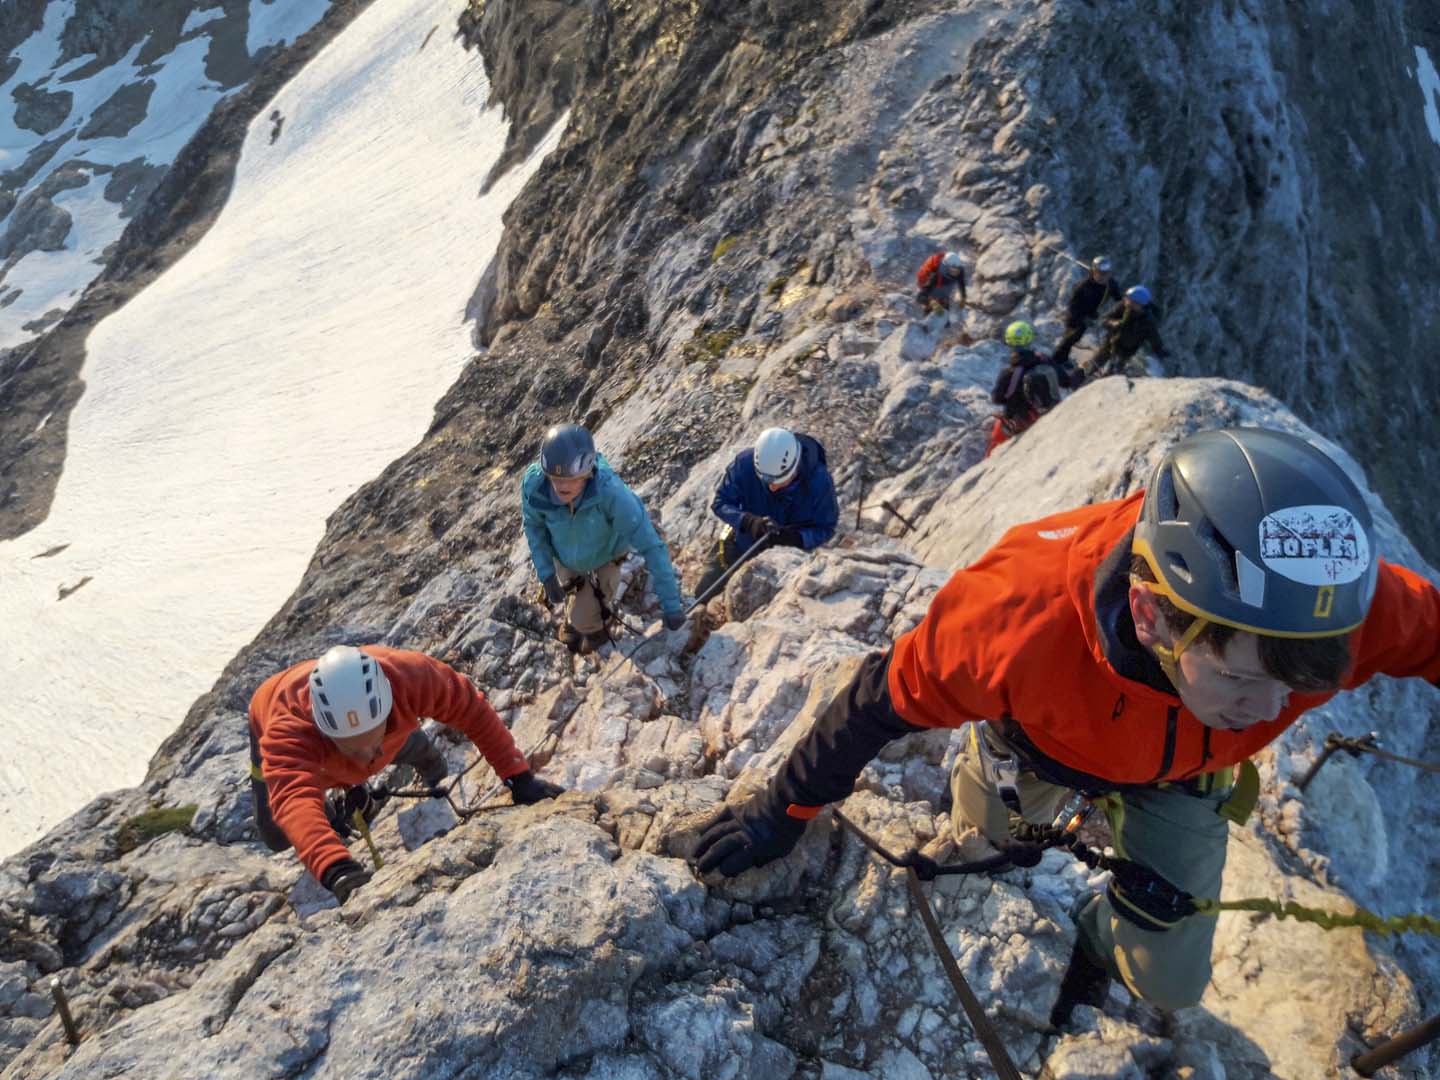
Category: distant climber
[1140,652]
[779,490]
[1027,387]
[1089,297]
[581,521]
[1126,331]
[937,281]
[335,722]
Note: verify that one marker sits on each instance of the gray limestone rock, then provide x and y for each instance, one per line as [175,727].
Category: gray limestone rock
[37,224]
[572,938]
[40,111]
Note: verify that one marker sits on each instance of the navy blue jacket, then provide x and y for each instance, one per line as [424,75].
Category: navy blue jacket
[807,502]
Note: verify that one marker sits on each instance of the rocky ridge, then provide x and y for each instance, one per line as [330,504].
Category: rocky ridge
[571,939]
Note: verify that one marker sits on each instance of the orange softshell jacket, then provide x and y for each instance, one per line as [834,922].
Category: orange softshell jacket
[1014,637]
[299,763]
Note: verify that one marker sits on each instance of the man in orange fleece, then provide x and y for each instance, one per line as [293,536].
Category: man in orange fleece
[1140,650]
[336,722]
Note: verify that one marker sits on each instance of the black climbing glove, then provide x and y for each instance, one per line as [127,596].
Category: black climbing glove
[674,620]
[755,525]
[749,835]
[344,877]
[528,788]
[786,537]
[340,807]
[554,591]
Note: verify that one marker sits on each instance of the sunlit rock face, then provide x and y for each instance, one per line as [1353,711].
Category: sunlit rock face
[724,239]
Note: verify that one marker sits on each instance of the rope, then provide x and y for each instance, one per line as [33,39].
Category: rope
[1036,839]
[364,827]
[989,1037]
[1326,920]
[984,1029]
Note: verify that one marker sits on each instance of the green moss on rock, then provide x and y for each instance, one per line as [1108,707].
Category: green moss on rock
[142,828]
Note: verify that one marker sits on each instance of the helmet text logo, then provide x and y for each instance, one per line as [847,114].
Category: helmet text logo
[1315,545]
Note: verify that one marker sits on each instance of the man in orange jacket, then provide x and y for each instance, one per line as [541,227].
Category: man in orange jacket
[1138,650]
[337,721]
[938,279]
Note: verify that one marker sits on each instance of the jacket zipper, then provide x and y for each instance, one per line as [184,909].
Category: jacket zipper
[1167,757]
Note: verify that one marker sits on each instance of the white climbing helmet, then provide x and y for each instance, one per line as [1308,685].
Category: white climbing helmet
[349,694]
[777,455]
[951,264]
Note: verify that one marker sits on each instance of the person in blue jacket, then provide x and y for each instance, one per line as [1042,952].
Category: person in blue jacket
[581,521]
[780,490]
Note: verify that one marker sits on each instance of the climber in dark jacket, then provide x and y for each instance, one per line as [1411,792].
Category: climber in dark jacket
[1127,330]
[1095,290]
[1027,387]
[778,491]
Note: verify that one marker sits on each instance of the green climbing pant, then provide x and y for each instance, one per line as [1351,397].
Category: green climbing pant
[1171,830]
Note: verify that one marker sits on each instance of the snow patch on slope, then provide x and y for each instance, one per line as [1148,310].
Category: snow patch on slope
[183,95]
[231,406]
[276,21]
[1429,80]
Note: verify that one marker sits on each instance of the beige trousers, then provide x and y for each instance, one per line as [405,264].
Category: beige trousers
[1178,835]
[585,608]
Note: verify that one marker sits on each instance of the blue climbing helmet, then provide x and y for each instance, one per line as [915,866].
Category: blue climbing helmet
[567,451]
[1140,294]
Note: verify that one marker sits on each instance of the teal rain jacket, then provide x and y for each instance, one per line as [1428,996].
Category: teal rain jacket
[608,520]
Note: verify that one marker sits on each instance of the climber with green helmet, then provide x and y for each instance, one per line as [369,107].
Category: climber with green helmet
[1140,652]
[1027,387]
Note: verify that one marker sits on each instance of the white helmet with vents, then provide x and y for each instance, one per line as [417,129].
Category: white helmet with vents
[777,455]
[349,694]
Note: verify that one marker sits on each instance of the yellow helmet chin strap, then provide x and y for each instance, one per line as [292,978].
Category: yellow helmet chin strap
[1169,657]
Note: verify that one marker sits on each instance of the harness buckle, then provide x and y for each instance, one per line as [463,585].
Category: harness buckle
[1000,770]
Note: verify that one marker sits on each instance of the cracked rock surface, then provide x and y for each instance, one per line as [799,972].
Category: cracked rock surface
[723,242]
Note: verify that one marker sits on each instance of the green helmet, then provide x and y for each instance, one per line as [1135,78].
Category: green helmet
[1261,531]
[1019,334]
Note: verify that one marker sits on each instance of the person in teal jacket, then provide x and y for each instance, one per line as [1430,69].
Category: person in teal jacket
[581,521]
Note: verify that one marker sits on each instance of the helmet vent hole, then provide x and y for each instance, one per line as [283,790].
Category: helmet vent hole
[324,700]
[369,686]
[1180,568]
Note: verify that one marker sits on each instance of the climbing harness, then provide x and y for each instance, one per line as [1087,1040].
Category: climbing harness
[1150,894]
[1147,898]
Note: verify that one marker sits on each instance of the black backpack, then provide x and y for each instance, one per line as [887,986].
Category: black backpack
[1042,387]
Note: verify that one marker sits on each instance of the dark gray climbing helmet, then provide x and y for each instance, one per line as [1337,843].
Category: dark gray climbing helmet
[1261,531]
[567,451]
